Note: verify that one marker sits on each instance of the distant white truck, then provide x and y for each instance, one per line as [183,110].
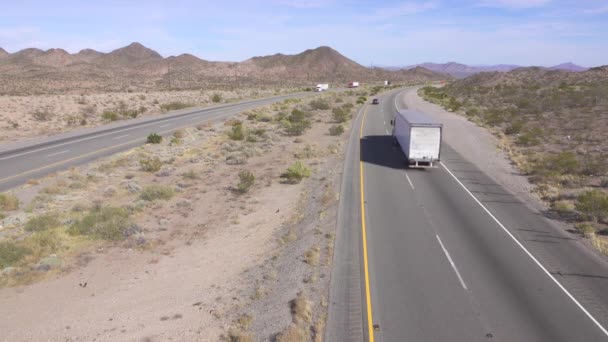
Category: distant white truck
[322,87]
[419,137]
[353,84]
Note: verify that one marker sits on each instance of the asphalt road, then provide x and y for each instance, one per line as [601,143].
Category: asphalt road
[446,254]
[37,159]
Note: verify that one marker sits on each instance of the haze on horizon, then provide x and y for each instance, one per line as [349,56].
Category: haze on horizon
[387,33]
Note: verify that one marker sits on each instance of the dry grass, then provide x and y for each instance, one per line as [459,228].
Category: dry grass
[293,333]
[301,309]
[312,256]
[8,202]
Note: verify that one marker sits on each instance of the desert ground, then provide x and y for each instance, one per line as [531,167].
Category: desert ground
[30,116]
[222,232]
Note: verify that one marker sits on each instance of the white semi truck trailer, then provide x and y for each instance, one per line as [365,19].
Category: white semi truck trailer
[322,87]
[419,137]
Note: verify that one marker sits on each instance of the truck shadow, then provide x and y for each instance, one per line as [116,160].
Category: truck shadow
[381,150]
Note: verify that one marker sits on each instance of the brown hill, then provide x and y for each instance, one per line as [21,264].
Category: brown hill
[3,53]
[136,66]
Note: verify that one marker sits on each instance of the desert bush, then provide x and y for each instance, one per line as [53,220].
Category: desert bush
[42,223]
[338,100]
[180,133]
[237,132]
[8,202]
[530,138]
[348,106]
[175,105]
[216,98]
[340,114]
[295,173]
[11,253]
[109,115]
[319,104]
[44,114]
[593,205]
[190,175]
[156,192]
[595,165]
[106,223]
[246,181]
[148,164]
[585,228]
[297,122]
[154,138]
[336,130]
[563,163]
[604,183]
[515,127]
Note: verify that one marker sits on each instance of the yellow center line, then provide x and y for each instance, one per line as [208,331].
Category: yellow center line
[368,297]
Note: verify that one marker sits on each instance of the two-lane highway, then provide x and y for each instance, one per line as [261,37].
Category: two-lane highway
[17,165]
[436,264]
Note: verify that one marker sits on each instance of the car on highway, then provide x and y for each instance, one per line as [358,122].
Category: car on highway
[375,101]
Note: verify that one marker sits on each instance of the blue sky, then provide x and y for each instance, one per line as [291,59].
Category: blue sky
[525,32]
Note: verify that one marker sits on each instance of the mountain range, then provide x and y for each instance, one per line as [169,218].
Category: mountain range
[138,67]
[459,70]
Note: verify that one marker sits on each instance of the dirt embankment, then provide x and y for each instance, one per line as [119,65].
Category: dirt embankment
[223,231]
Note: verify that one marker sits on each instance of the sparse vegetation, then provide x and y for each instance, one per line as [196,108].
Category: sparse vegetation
[106,223]
[216,98]
[297,122]
[340,114]
[175,105]
[154,138]
[109,115]
[319,104]
[149,164]
[42,114]
[246,181]
[593,205]
[237,132]
[42,223]
[11,253]
[336,130]
[8,202]
[296,173]
[156,192]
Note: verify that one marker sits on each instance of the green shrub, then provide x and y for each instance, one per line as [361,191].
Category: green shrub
[530,138]
[148,164]
[154,138]
[246,181]
[175,105]
[297,122]
[42,114]
[336,130]
[563,163]
[8,202]
[190,175]
[586,229]
[216,98]
[237,132]
[109,115]
[296,172]
[515,127]
[156,192]
[593,205]
[11,253]
[107,223]
[319,104]
[42,223]
[340,114]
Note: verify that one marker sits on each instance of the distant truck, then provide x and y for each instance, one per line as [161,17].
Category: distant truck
[387,83]
[419,137]
[353,84]
[322,87]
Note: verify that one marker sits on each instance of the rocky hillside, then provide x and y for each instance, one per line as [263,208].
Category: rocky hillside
[459,70]
[136,67]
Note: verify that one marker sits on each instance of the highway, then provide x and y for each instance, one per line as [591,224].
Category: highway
[447,254]
[21,162]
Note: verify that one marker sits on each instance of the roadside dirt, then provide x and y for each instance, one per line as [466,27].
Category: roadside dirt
[205,264]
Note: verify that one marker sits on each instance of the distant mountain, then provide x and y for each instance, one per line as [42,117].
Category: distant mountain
[3,53]
[569,67]
[136,66]
[459,70]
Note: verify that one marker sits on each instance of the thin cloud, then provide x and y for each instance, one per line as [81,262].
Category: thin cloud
[403,9]
[514,4]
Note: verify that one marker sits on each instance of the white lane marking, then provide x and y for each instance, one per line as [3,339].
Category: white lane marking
[387,132]
[165,125]
[409,180]
[397,107]
[120,137]
[580,306]
[451,263]
[58,153]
